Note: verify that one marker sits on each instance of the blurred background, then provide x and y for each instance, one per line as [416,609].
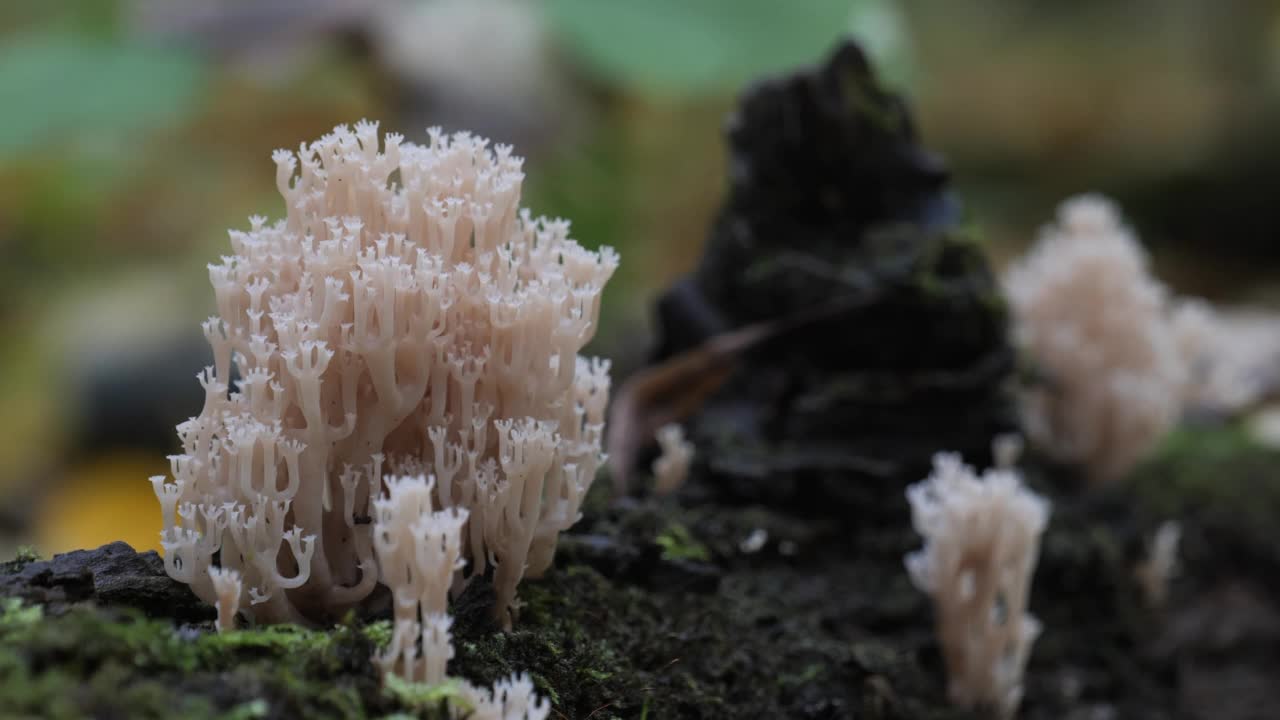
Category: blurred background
[133,133]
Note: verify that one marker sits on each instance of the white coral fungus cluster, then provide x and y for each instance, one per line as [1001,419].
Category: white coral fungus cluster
[227,587]
[1098,327]
[511,699]
[982,540]
[406,315]
[420,552]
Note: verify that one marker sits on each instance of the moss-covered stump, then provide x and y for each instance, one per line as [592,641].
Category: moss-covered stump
[653,611]
[674,609]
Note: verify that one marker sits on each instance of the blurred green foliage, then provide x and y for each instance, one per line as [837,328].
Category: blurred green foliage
[686,48]
[91,89]
[125,150]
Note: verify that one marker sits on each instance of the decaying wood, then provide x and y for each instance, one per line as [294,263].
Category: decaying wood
[675,388]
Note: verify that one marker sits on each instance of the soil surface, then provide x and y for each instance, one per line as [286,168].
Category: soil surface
[687,607]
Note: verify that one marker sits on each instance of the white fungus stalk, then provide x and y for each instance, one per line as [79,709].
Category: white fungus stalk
[227,585]
[982,540]
[407,315]
[1006,450]
[1160,566]
[419,551]
[671,468]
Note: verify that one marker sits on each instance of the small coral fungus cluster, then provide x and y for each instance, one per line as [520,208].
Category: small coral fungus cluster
[419,552]
[1097,324]
[406,318]
[982,542]
[1119,358]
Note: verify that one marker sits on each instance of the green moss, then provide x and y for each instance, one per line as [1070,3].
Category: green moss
[90,661]
[804,677]
[678,544]
[285,639]
[379,633]
[25,556]
[434,700]
[545,687]
[1219,475]
[14,614]
[613,640]
[66,667]
[248,711]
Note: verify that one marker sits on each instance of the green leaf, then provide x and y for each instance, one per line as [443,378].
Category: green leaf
[685,47]
[64,86]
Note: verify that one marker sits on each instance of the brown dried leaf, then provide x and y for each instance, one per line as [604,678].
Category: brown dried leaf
[675,388]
